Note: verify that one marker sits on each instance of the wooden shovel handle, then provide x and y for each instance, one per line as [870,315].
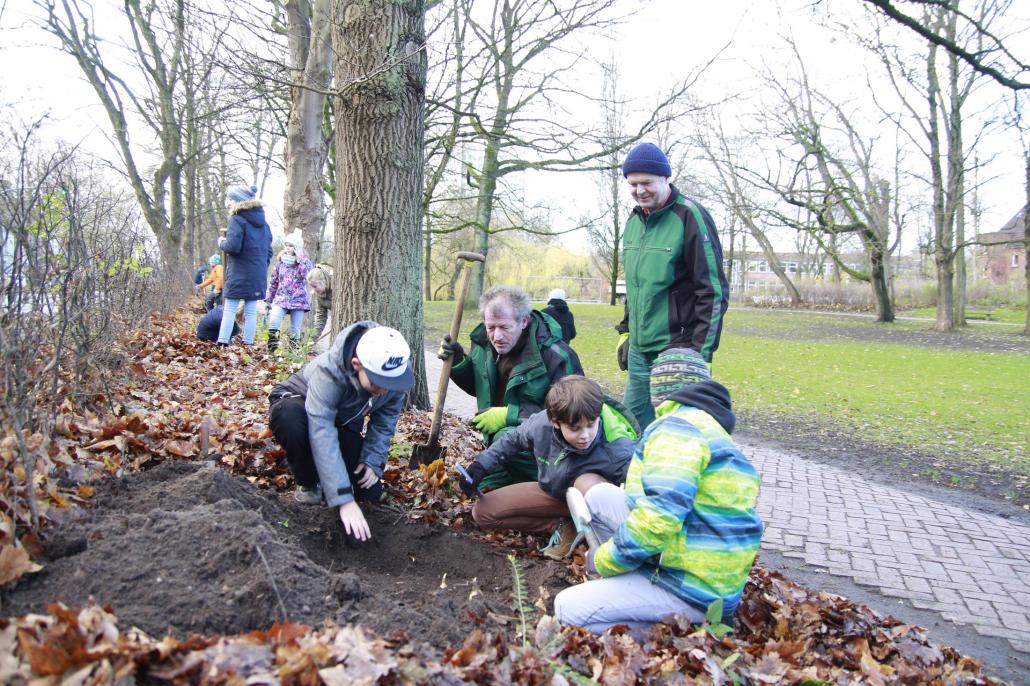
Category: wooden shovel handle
[445,373]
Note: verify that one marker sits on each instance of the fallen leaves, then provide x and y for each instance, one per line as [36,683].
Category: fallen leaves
[179,399]
[14,564]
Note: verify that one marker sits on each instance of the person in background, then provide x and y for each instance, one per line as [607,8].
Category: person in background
[210,323]
[683,533]
[517,354]
[559,311]
[287,292]
[247,244]
[216,280]
[200,274]
[676,289]
[320,278]
[318,415]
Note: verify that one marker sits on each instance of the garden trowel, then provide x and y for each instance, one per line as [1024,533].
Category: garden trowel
[581,519]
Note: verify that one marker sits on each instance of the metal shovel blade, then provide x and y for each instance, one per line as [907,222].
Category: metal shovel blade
[426,454]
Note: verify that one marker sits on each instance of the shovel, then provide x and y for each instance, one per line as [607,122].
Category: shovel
[432,451]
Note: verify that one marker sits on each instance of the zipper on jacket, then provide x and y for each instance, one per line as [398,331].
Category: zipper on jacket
[365,409]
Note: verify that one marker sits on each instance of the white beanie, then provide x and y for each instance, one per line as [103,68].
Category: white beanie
[296,239]
[557,294]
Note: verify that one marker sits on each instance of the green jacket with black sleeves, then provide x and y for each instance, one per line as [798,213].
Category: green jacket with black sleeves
[545,358]
[676,288]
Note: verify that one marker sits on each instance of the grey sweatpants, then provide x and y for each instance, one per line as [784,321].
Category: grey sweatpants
[629,599]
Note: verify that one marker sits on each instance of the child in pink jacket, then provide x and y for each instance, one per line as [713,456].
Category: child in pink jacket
[287,292]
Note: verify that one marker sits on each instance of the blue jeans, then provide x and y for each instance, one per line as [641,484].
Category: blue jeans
[275,318]
[249,320]
[638,386]
[630,598]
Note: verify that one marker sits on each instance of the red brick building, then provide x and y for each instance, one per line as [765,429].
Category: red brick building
[1001,255]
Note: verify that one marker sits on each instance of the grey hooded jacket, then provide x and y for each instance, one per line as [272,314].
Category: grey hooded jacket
[333,397]
[558,463]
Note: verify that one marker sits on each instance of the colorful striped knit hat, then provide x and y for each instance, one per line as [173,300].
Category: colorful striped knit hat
[241,193]
[674,369]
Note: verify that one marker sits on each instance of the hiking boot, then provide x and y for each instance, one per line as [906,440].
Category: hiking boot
[562,541]
[308,496]
[273,340]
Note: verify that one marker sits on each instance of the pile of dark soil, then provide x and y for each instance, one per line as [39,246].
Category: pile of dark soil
[187,548]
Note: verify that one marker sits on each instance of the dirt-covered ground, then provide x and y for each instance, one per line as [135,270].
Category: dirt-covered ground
[188,548]
[170,503]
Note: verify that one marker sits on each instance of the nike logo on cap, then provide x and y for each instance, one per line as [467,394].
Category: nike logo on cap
[392,363]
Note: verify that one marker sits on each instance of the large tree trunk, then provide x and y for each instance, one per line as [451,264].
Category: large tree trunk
[876,240]
[942,228]
[1026,238]
[380,69]
[957,185]
[960,257]
[879,278]
[613,276]
[304,198]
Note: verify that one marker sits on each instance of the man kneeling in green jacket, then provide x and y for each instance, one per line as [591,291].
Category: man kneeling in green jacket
[517,354]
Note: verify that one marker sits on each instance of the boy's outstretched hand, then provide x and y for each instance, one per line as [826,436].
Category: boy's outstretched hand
[470,486]
[354,521]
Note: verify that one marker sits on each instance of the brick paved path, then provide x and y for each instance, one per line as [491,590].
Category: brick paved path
[971,568]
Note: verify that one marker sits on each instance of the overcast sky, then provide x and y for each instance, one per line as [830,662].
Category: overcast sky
[659,41]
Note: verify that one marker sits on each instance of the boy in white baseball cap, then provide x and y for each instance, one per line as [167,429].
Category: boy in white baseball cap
[317,416]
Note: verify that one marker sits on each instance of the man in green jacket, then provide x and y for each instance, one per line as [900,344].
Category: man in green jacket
[517,353]
[676,288]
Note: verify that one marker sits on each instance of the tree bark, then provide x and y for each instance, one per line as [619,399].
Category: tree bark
[942,230]
[957,185]
[304,198]
[487,186]
[613,276]
[1026,240]
[380,69]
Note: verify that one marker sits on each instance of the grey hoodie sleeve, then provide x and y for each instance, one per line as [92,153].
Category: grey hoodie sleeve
[518,440]
[381,426]
[322,399]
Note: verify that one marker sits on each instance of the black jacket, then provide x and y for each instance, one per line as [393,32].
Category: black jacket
[210,323]
[559,310]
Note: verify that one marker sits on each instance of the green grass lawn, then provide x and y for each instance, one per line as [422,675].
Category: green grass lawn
[953,401]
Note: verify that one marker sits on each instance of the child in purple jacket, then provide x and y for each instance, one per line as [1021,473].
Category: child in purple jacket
[287,292]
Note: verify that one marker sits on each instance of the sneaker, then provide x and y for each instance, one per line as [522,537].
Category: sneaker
[562,541]
[308,496]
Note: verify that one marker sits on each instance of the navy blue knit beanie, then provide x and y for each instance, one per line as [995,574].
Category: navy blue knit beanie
[647,158]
